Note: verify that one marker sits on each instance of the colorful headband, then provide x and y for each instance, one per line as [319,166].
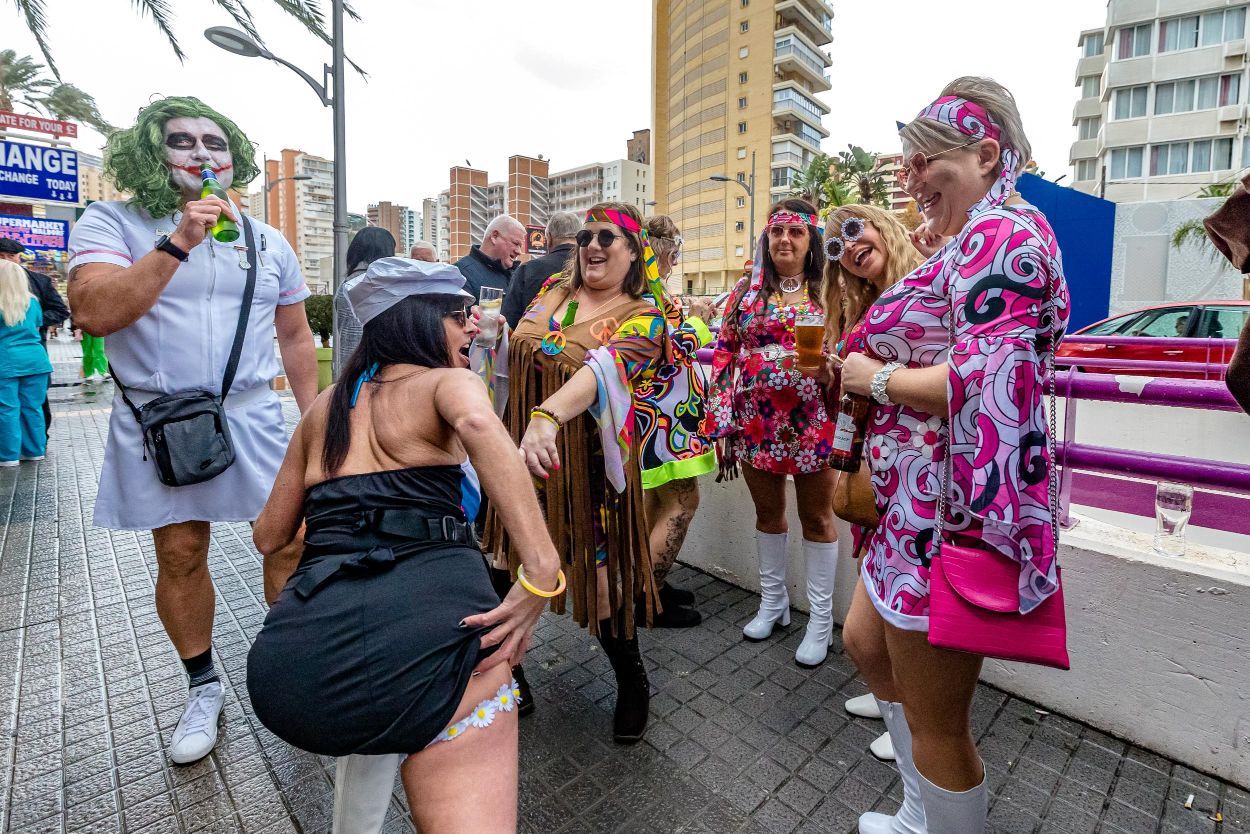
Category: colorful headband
[616,218]
[852,230]
[968,117]
[973,121]
[793,218]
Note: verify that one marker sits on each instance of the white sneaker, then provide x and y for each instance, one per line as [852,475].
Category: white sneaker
[865,706]
[883,747]
[9,462]
[196,732]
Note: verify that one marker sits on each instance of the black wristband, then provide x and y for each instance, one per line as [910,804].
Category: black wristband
[167,246]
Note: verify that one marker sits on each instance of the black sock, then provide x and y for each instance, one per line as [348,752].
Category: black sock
[200,669]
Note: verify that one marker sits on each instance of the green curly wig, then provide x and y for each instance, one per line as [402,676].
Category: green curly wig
[134,158]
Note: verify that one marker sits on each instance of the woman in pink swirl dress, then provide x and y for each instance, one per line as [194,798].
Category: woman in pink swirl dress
[1001,278]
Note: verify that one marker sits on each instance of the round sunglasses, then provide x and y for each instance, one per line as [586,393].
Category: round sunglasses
[605,238]
[851,231]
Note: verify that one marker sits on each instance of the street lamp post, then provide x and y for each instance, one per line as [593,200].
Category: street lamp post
[269,186]
[330,91]
[750,190]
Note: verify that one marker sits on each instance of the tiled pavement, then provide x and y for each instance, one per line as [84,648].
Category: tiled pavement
[741,740]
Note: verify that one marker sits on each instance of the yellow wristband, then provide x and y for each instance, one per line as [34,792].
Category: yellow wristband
[546,415]
[561,584]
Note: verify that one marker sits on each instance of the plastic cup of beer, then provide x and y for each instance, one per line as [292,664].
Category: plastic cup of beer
[490,302]
[809,335]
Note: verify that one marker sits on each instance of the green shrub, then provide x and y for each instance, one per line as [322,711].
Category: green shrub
[320,312]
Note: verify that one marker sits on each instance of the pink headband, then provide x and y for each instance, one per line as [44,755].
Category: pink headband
[973,121]
[616,218]
[793,218]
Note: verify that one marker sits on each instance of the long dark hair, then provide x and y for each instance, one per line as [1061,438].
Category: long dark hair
[813,266]
[410,333]
[369,244]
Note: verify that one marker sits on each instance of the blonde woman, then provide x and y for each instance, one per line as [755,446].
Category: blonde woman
[868,251]
[24,370]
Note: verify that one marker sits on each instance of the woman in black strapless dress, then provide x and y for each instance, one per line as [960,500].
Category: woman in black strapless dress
[387,637]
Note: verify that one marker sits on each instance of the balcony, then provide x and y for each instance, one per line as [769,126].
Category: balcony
[789,101]
[1093,65]
[1086,108]
[791,54]
[800,132]
[816,25]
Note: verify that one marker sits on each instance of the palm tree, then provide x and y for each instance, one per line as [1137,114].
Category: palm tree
[861,172]
[810,183]
[21,81]
[69,103]
[1193,233]
[307,12]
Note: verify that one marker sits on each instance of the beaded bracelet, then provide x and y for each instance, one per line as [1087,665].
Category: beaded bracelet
[561,584]
[538,411]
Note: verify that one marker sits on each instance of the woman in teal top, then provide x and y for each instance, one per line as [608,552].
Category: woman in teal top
[24,370]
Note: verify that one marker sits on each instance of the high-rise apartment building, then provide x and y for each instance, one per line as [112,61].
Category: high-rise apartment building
[410,230]
[1161,109]
[389,216]
[93,186]
[429,210]
[442,225]
[623,180]
[529,190]
[730,79]
[303,210]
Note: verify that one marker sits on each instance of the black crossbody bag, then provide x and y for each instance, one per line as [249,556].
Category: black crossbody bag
[187,433]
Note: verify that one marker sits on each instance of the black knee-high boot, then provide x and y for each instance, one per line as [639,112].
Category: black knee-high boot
[501,581]
[633,690]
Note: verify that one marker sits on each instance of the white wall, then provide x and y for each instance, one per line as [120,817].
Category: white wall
[1158,646]
[1146,270]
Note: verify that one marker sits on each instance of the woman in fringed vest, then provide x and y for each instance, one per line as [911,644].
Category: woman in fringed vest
[587,339]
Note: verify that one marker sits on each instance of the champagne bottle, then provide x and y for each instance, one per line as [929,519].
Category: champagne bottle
[224,230]
[848,437]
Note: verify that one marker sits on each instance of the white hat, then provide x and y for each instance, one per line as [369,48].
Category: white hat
[389,281]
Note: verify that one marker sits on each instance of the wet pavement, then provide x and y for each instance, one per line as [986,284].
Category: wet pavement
[741,740]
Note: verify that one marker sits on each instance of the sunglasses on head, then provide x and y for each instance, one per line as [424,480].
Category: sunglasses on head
[852,230]
[605,238]
[919,163]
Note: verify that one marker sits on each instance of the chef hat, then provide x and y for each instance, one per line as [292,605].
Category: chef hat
[389,281]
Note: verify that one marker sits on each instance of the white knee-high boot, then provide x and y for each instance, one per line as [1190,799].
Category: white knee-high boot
[947,812]
[774,601]
[822,567]
[910,818]
[362,792]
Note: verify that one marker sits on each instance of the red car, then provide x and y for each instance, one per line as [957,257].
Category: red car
[1197,322]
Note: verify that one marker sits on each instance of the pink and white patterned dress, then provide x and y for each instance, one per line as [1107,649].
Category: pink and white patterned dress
[995,276]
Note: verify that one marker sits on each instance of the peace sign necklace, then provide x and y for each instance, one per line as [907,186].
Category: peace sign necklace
[553,343]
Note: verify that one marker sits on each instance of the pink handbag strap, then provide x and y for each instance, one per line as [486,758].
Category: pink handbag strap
[1049,366]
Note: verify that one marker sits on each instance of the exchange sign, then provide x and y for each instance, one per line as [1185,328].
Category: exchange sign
[38,172]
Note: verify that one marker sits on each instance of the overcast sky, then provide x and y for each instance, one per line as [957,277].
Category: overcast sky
[480,80]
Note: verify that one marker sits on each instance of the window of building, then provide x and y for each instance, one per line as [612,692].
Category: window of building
[739,226]
[742,201]
[742,127]
[1207,29]
[1094,44]
[1212,154]
[1133,41]
[744,26]
[1088,128]
[744,52]
[1245,152]
[1126,162]
[739,251]
[745,3]
[742,177]
[742,102]
[1169,159]
[742,78]
[1130,103]
[1086,169]
[742,153]
[1091,86]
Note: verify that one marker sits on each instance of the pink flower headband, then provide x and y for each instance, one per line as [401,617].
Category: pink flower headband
[973,121]
[794,218]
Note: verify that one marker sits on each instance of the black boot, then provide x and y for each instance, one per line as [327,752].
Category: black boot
[670,595]
[674,615]
[633,690]
[501,581]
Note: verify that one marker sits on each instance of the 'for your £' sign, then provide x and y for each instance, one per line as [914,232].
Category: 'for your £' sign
[38,173]
[20,121]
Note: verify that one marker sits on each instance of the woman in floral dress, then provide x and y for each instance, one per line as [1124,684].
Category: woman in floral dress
[955,354]
[772,420]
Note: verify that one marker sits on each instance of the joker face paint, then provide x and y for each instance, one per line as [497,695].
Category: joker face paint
[189,143]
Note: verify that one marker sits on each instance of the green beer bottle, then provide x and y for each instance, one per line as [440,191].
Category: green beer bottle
[225,230]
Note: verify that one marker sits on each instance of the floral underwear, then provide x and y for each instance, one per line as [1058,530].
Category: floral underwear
[483,715]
